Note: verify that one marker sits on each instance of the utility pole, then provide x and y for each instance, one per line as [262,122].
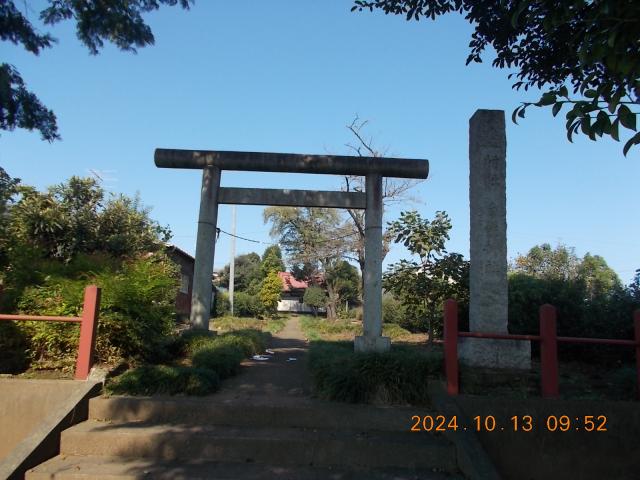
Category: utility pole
[232,263]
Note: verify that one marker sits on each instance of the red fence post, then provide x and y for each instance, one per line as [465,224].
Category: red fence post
[451,345]
[548,351]
[88,328]
[636,327]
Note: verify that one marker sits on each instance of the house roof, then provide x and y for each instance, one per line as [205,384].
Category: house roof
[289,282]
[177,250]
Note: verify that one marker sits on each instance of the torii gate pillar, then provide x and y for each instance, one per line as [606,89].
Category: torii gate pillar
[205,249]
[372,339]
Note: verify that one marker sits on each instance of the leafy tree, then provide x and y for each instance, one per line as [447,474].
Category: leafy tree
[561,263]
[634,287]
[118,21]
[315,297]
[270,291]
[73,217]
[41,230]
[542,261]
[346,279]
[583,53]
[422,285]
[271,260]
[599,278]
[8,189]
[315,241]
[247,274]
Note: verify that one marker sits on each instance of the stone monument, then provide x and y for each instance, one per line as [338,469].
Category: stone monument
[488,303]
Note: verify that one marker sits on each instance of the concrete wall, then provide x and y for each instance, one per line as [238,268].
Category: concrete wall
[32,413]
[574,454]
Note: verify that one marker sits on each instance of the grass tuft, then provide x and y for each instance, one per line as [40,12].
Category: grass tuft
[396,377]
[202,360]
[164,379]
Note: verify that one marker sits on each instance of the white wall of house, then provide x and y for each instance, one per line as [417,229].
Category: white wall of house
[293,304]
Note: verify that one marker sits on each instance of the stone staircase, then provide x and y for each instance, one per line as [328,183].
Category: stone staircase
[179,437]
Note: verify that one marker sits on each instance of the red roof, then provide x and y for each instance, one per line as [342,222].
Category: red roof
[290,283]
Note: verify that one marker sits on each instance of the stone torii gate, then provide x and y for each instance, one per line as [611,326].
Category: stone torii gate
[373,169]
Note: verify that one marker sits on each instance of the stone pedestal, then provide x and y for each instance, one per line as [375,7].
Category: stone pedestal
[372,344]
[488,302]
[482,352]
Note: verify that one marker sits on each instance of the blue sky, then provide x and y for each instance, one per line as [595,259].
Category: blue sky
[287,76]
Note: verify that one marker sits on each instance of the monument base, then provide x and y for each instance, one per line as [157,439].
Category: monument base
[372,344]
[481,352]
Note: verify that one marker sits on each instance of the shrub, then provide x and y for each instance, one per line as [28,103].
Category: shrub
[270,291]
[392,310]
[136,312]
[222,306]
[396,377]
[222,359]
[315,297]
[163,379]
[246,305]
[209,357]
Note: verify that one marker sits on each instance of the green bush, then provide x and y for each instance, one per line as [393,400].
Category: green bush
[392,310]
[136,312]
[246,305]
[222,306]
[209,358]
[396,377]
[164,379]
[222,359]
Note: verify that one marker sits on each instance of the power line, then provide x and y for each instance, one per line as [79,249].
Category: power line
[219,230]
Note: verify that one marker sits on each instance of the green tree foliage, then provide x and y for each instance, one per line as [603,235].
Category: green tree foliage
[587,293]
[315,240]
[543,261]
[118,21]
[248,274]
[8,190]
[272,260]
[584,54]
[315,297]
[422,285]
[41,229]
[270,291]
[346,279]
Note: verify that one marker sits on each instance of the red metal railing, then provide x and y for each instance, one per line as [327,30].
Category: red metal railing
[88,326]
[548,339]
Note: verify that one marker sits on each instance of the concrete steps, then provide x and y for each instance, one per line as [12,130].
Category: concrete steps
[85,468]
[199,438]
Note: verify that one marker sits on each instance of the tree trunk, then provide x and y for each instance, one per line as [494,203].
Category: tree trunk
[332,303]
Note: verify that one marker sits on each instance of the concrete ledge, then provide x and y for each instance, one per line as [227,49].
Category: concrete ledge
[44,441]
[472,458]
[372,344]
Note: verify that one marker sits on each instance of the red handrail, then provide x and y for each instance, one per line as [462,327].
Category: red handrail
[548,339]
[88,327]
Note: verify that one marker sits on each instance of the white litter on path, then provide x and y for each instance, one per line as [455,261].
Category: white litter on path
[270,352]
[261,358]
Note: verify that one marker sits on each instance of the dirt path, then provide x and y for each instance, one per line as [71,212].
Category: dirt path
[275,381]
